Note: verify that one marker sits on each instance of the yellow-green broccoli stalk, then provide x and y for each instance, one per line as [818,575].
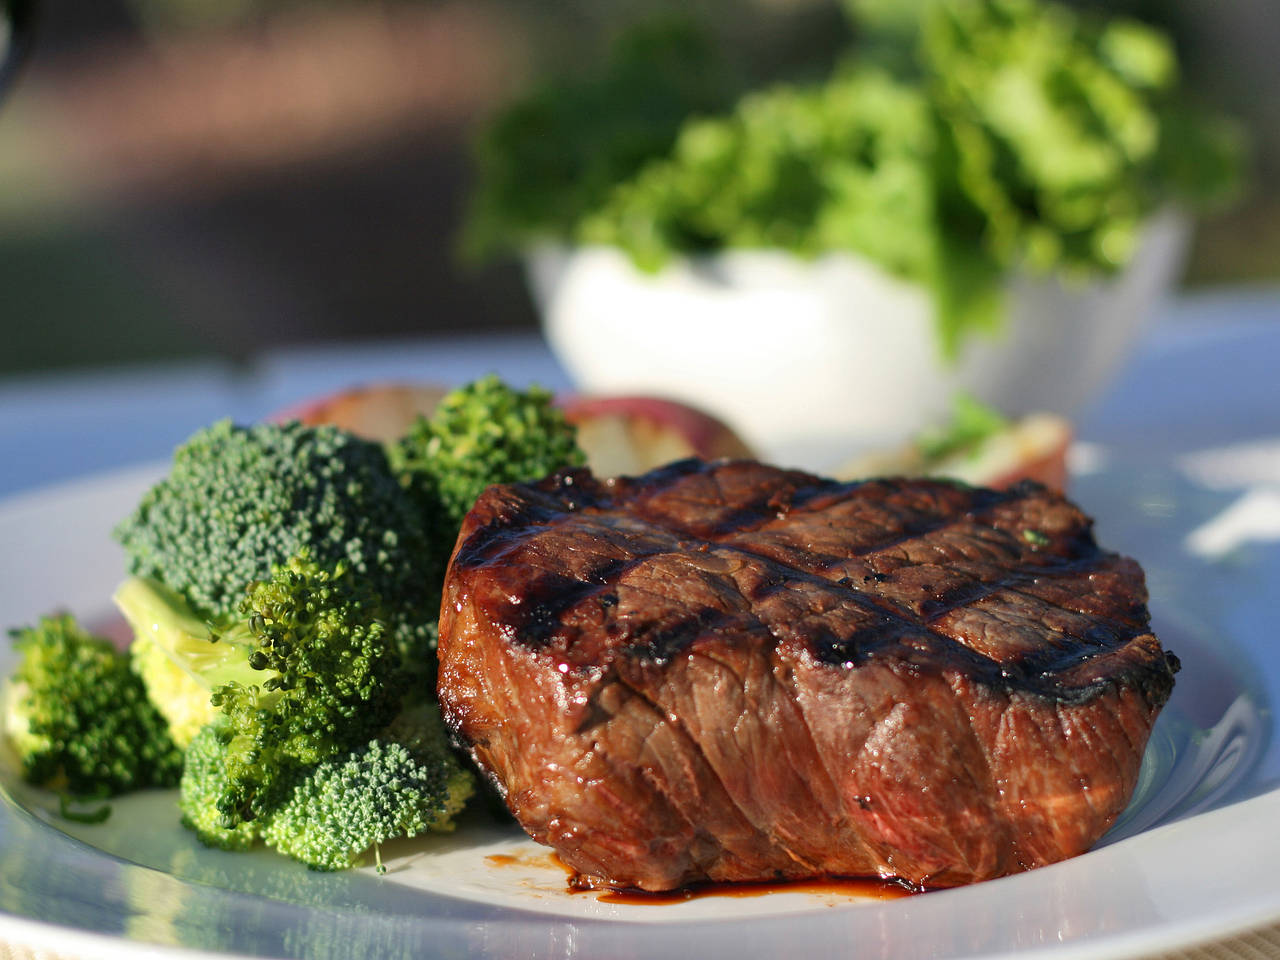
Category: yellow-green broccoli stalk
[179,656]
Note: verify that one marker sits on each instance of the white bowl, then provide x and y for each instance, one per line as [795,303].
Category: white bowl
[814,360]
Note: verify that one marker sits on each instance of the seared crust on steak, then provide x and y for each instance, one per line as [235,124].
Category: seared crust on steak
[733,672]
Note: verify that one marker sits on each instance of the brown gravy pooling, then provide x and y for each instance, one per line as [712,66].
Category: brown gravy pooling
[859,888]
[832,888]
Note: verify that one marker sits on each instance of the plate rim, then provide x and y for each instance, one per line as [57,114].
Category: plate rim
[1249,914]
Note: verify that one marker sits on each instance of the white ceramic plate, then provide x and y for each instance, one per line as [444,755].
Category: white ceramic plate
[1192,859]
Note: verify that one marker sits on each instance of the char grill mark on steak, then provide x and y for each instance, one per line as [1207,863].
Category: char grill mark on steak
[944,575]
[733,672]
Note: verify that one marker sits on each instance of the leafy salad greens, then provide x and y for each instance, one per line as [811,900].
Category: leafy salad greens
[283,587]
[951,144]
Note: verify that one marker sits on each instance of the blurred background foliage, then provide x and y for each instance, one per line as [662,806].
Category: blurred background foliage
[186,178]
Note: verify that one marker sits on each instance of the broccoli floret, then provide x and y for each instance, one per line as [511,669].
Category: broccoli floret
[481,434]
[80,719]
[240,501]
[329,677]
[282,598]
[299,687]
[204,781]
[403,783]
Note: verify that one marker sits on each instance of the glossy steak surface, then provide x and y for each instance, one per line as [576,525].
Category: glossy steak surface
[730,672]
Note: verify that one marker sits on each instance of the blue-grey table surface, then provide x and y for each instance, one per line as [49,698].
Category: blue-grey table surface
[54,427]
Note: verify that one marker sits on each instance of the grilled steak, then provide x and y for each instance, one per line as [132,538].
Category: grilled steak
[734,672]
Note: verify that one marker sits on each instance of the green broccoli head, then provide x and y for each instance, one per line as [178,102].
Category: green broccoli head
[240,501]
[481,434]
[204,781]
[329,677]
[80,719]
[404,782]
